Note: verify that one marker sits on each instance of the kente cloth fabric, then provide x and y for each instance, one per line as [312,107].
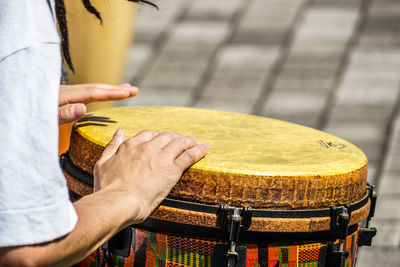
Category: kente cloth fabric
[160,250]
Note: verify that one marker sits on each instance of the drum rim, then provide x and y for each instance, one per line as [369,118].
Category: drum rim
[255,237]
[83,177]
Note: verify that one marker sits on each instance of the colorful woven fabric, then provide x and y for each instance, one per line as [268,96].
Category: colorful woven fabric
[161,250]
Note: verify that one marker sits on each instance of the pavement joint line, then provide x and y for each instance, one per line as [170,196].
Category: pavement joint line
[157,46]
[277,67]
[197,91]
[390,128]
[344,62]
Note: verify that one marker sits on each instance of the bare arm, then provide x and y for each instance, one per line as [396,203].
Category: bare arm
[100,216]
[152,163]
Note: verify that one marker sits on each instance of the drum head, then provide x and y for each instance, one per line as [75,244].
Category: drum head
[253,161]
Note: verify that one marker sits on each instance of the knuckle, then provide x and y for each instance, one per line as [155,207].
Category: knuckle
[172,135]
[191,154]
[93,85]
[146,133]
[181,138]
[64,112]
[129,143]
[92,91]
[60,112]
[146,147]
[112,143]
[191,140]
[97,167]
[166,134]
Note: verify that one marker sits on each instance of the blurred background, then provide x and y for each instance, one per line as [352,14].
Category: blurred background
[333,65]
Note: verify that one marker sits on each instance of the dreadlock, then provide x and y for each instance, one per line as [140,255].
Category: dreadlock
[62,24]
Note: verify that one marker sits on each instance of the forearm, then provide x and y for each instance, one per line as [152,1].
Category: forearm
[100,216]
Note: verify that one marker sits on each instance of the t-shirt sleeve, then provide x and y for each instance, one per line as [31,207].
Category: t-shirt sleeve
[34,201]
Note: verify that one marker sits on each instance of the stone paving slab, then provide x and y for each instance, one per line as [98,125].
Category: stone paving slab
[210,10]
[246,88]
[302,85]
[196,37]
[152,23]
[245,60]
[376,115]
[387,207]
[267,21]
[337,3]
[384,8]
[390,183]
[389,233]
[135,62]
[301,108]
[378,256]
[173,77]
[317,52]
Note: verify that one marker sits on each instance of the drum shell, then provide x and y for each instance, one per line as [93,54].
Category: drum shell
[151,249]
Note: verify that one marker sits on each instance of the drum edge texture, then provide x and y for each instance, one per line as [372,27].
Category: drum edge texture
[258,192]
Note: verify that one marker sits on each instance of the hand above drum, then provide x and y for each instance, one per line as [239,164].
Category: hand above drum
[72,98]
[144,168]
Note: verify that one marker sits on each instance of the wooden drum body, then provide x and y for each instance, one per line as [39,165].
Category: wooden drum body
[268,193]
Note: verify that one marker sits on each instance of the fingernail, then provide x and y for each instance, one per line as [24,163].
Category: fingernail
[79,110]
[125,85]
[206,145]
[118,133]
[134,90]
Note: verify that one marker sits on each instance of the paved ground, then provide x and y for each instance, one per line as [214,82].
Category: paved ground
[329,64]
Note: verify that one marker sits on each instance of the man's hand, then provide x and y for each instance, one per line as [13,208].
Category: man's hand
[144,168]
[72,98]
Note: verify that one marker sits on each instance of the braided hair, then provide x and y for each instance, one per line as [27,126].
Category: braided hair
[62,24]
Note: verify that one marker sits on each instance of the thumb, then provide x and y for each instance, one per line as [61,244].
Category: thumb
[113,145]
[70,112]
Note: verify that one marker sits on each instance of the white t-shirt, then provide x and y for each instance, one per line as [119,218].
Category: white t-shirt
[34,202]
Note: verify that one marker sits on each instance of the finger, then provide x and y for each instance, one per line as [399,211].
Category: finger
[95,85]
[102,85]
[70,112]
[126,85]
[142,137]
[179,145]
[163,139]
[192,155]
[100,92]
[113,145]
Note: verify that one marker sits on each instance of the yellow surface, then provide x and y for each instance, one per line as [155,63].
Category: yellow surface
[240,144]
[98,51]
[64,135]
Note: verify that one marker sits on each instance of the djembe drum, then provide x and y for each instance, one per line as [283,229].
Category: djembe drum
[268,193]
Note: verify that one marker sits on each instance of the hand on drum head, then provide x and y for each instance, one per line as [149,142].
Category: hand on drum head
[144,168]
[72,98]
